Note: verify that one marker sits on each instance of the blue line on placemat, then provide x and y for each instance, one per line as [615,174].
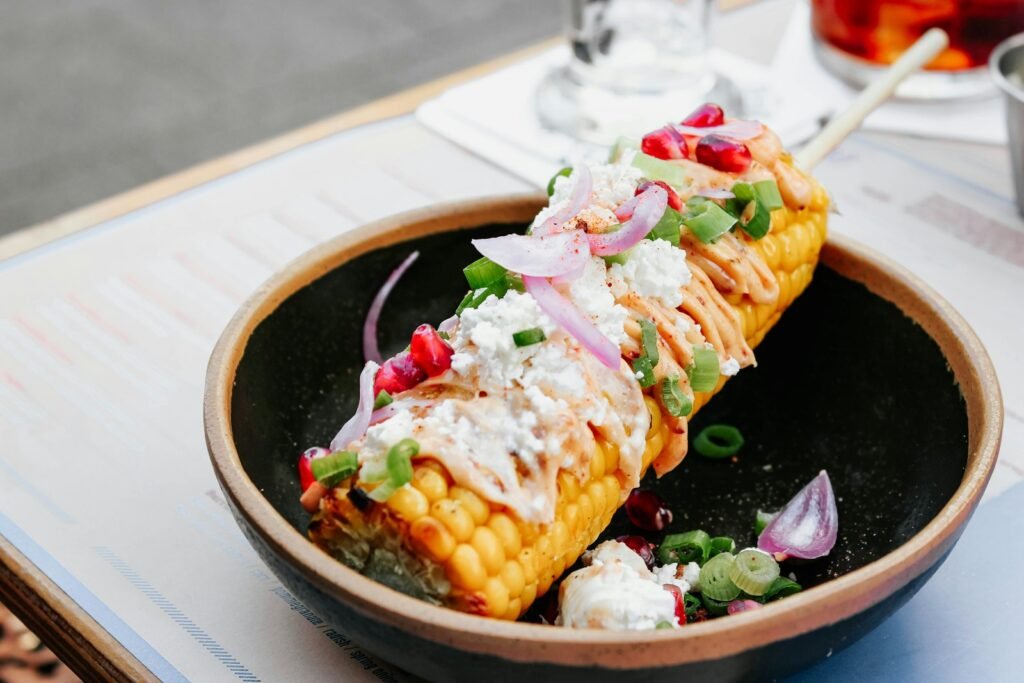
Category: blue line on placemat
[176,615]
[935,170]
[31,489]
[95,607]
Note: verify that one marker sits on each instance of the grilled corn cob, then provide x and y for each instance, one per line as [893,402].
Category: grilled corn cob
[445,544]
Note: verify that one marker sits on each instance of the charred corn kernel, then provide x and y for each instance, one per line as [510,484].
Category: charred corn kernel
[507,532]
[409,503]
[451,513]
[430,482]
[471,503]
[496,593]
[498,564]
[464,568]
[568,486]
[432,539]
[513,576]
[489,548]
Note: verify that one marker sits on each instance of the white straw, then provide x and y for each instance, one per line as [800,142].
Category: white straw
[920,53]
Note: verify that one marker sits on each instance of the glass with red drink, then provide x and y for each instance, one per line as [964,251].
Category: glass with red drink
[856,38]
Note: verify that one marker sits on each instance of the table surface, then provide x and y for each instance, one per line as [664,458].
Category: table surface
[288,172]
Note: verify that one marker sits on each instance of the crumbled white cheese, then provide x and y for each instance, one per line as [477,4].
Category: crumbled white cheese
[655,269]
[682,325]
[591,294]
[617,591]
[379,440]
[484,340]
[613,184]
[730,367]
[691,574]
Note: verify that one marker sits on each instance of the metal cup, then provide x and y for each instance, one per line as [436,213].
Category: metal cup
[1007,67]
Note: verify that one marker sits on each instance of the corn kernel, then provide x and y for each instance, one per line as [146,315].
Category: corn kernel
[586,510]
[612,490]
[529,595]
[655,410]
[454,516]
[507,532]
[611,454]
[497,596]
[597,462]
[560,544]
[431,482]
[430,538]
[489,548]
[529,565]
[596,492]
[513,576]
[568,486]
[471,502]
[409,503]
[571,517]
[464,568]
[515,608]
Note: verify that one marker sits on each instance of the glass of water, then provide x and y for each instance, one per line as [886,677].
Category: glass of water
[634,65]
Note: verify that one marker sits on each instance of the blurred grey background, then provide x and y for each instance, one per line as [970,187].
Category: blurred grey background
[98,96]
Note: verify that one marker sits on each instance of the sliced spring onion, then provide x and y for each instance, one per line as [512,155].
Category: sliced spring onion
[676,402]
[498,288]
[649,340]
[754,571]
[644,369]
[534,335]
[399,469]
[667,227]
[709,222]
[715,580]
[662,625]
[690,546]
[744,192]
[722,544]
[658,169]
[756,219]
[704,371]
[762,519]
[383,399]
[564,172]
[718,441]
[621,146]
[714,607]
[483,272]
[331,469]
[691,603]
[767,192]
[782,587]
[619,258]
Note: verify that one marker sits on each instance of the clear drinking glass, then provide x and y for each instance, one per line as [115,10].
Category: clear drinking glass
[635,64]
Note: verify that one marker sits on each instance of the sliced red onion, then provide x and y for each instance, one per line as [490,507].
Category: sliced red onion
[737,129]
[578,200]
[807,526]
[646,215]
[357,424]
[712,193]
[572,320]
[737,606]
[625,210]
[547,256]
[371,352]
[448,324]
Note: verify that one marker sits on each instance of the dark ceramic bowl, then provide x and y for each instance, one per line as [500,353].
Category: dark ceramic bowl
[869,375]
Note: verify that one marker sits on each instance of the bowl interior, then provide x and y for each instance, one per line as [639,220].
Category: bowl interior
[846,383]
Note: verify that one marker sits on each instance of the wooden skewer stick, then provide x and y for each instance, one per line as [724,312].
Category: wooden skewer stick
[878,91]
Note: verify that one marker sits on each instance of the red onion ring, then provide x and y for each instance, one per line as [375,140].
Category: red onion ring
[578,200]
[737,606]
[371,352]
[737,129]
[547,256]
[573,321]
[807,527]
[448,324]
[625,210]
[357,424]
[649,210]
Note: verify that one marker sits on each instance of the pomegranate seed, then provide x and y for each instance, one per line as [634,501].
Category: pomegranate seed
[430,352]
[640,546]
[723,153]
[647,510]
[665,143]
[306,477]
[737,606]
[398,374]
[707,114]
[673,199]
[680,603]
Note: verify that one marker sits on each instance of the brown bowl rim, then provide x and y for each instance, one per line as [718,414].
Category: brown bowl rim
[817,607]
